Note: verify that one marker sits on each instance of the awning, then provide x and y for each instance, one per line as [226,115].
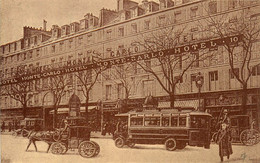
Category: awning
[183,103]
[66,110]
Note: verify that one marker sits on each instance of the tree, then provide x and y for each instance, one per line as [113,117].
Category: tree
[21,91]
[170,69]
[245,24]
[122,75]
[57,86]
[87,80]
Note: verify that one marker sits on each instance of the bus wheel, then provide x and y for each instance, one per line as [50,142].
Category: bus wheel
[119,142]
[170,144]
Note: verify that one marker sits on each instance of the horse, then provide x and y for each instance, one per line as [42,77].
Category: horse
[46,136]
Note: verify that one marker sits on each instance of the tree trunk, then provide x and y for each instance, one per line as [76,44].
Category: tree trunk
[172,99]
[244,99]
[24,110]
[54,123]
[86,109]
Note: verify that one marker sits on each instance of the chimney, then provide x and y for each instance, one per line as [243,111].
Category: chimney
[44,24]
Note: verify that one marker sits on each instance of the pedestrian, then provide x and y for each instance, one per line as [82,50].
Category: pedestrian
[9,126]
[224,139]
[3,127]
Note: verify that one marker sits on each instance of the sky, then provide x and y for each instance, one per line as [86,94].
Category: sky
[15,14]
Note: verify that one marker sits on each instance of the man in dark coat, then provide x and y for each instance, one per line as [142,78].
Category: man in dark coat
[224,139]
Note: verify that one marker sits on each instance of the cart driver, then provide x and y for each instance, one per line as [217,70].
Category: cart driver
[66,126]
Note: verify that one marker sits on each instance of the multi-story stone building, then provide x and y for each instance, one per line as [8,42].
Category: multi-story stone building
[113,35]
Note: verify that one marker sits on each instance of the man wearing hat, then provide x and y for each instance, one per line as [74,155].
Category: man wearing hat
[224,137]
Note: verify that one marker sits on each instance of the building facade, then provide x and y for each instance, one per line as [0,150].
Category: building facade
[115,34]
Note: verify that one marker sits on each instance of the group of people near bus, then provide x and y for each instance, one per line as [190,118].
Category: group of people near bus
[10,126]
[108,127]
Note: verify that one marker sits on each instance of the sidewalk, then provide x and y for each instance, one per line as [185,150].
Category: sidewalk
[98,135]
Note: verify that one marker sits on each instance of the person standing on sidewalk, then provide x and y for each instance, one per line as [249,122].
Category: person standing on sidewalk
[224,138]
[3,127]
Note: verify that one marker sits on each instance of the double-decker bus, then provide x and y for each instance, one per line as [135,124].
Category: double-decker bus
[174,129]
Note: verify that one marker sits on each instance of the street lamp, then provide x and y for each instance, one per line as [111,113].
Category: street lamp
[199,83]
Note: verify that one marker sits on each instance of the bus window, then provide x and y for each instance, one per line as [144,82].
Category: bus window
[199,122]
[182,122]
[165,121]
[137,121]
[174,121]
[152,121]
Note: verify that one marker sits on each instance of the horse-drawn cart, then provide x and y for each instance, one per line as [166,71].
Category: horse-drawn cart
[75,137]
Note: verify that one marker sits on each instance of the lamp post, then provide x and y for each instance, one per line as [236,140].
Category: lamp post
[199,83]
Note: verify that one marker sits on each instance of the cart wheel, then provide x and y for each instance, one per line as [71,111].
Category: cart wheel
[87,149]
[130,144]
[98,148]
[249,137]
[58,148]
[170,144]
[119,142]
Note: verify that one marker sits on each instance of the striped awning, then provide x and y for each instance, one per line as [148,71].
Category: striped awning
[66,110]
[181,103]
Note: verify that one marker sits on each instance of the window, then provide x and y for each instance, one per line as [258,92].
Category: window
[80,40]
[174,121]
[177,16]
[109,34]
[148,64]
[120,92]
[213,76]
[45,83]
[256,70]
[61,45]
[193,11]
[165,121]
[70,79]
[70,42]
[232,4]
[30,54]
[15,46]
[147,24]
[121,31]
[53,48]
[178,79]
[37,52]
[213,80]
[195,59]
[212,7]
[152,121]
[236,71]
[108,92]
[134,28]
[161,20]
[182,121]
[136,121]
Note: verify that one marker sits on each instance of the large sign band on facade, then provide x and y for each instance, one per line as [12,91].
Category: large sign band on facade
[80,66]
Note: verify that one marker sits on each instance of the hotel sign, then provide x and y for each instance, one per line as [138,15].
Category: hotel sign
[76,66]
